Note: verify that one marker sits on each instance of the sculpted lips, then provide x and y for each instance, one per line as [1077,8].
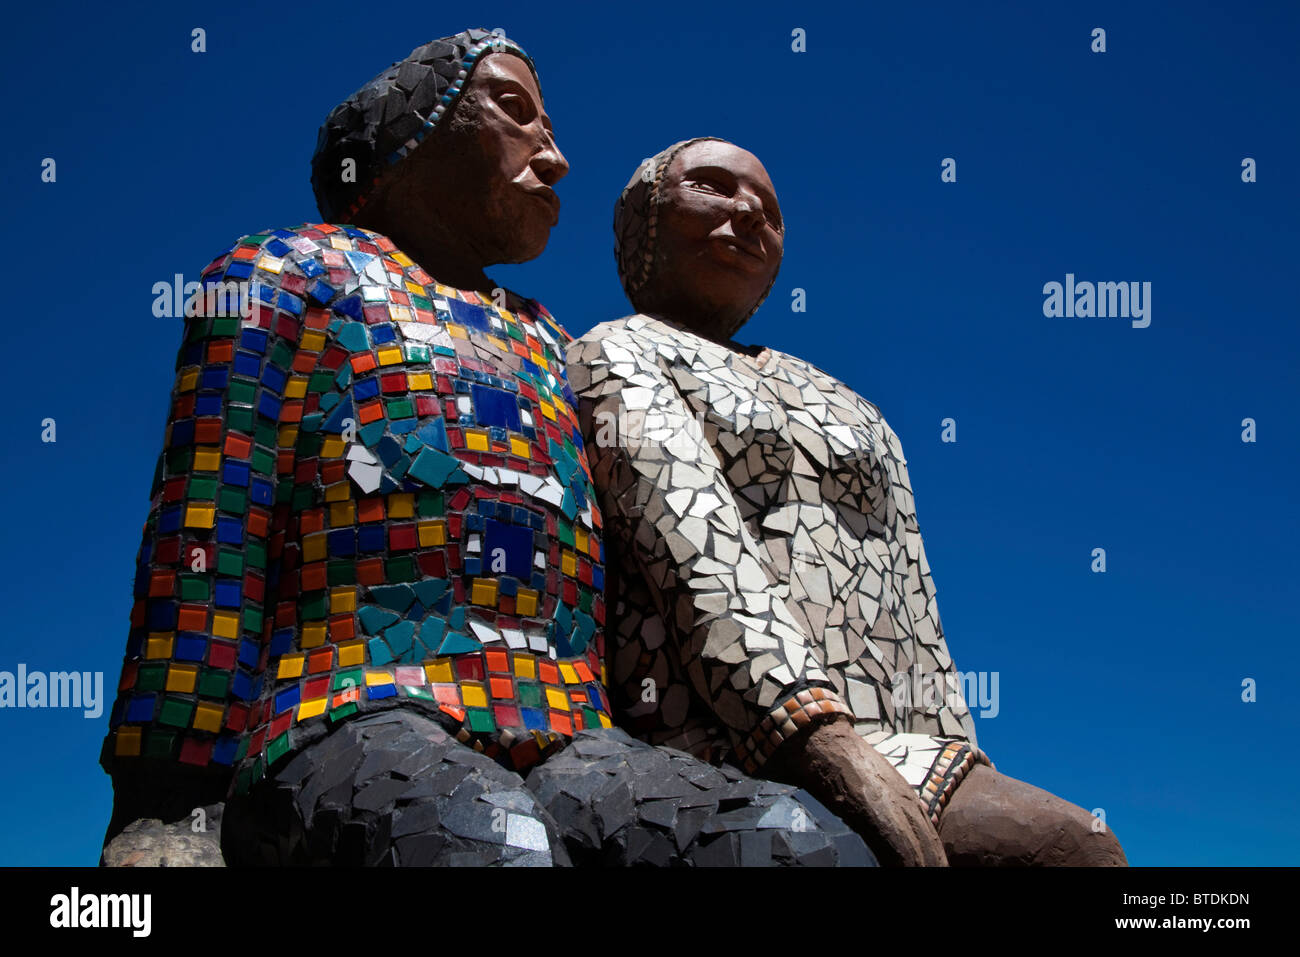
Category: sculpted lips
[547,196]
[750,250]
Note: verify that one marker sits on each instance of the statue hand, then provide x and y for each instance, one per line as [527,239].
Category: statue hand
[834,764]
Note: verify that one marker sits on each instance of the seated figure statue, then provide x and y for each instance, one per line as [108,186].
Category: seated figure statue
[768,589]
[369,597]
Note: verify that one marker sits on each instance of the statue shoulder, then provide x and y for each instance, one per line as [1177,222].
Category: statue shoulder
[799,372]
[265,254]
[638,334]
[613,351]
[294,260]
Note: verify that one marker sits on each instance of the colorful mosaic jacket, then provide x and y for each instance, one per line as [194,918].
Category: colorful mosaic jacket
[373,492]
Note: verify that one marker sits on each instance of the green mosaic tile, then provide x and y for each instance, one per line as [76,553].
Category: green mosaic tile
[159,744]
[178,460]
[239,418]
[314,606]
[233,500]
[344,711]
[308,445]
[399,408]
[351,678]
[341,573]
[277,748]
[202,488]
[213,683]
[230,563]
[401,570]
[282,356]
[195,588]
[263,462]
[225,327]
[151,677]
[176,713]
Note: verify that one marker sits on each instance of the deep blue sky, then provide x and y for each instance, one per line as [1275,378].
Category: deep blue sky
[1119,690]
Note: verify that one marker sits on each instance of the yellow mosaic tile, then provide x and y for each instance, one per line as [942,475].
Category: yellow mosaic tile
[484,592]
[526,602]
[432,533]
[440,671]
[315,547]
[182,678]
[557,699]
[313,635]
[207,458]
[291,666]
[200,516]
[207,717]
[159,646]
[127,742]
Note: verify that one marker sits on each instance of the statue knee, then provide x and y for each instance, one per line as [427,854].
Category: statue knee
[999,821]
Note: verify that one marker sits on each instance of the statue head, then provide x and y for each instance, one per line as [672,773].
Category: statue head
[699,236]
[452,154]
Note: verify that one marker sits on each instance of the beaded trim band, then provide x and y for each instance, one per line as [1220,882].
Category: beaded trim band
[784,721]
[950,767]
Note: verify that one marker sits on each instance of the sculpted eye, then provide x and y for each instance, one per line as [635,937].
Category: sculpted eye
[711,185]
[516,107]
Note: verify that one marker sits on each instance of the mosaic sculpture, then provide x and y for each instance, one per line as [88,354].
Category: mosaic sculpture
[765,568]
[369,599]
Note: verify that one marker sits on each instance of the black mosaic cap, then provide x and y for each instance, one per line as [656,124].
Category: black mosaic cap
[381,123]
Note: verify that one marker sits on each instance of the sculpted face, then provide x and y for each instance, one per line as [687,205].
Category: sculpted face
[720,236]
[479,191]
[518,159]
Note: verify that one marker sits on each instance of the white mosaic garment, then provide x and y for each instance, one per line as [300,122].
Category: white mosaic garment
[762,541]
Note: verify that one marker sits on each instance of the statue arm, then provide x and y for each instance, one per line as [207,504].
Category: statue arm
[664,491]
[207,566]
[941,709]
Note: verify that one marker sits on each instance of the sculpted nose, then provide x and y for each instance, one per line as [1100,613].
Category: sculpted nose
[550,164]
[747,212]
